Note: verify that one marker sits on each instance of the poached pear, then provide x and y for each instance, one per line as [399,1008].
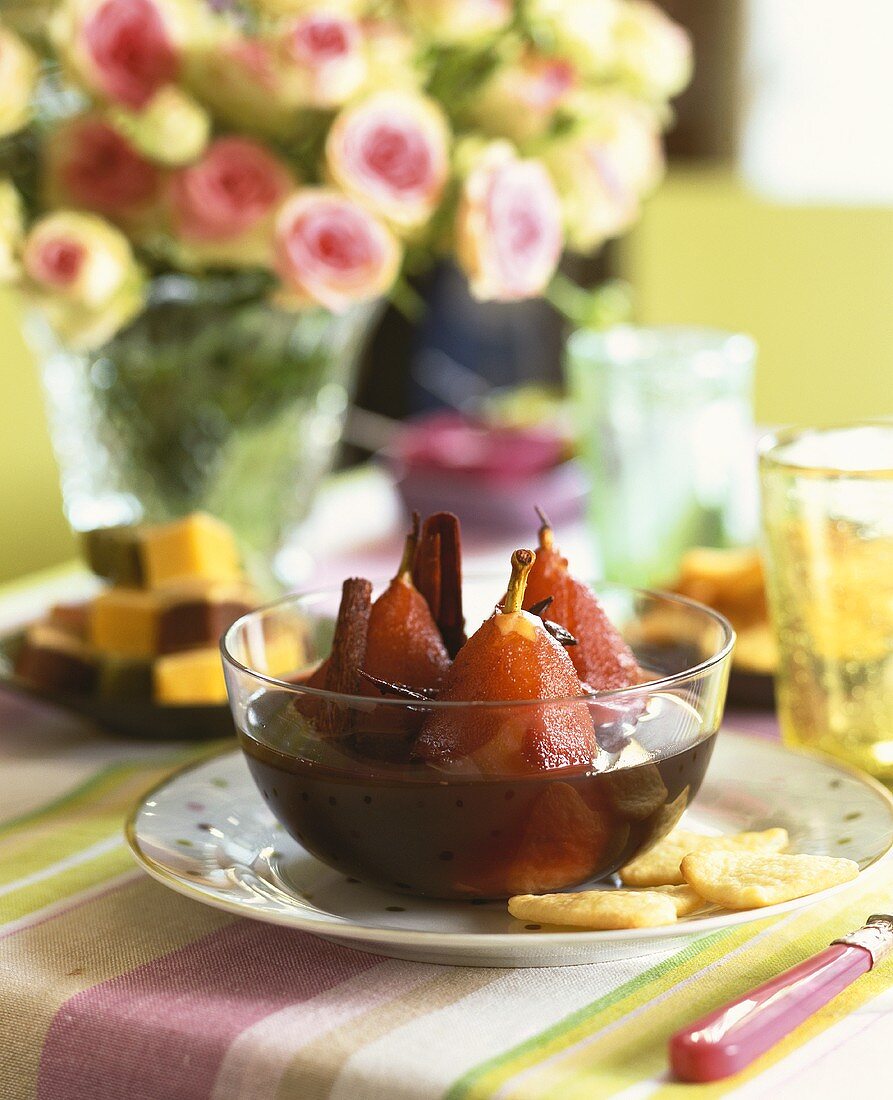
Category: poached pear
[510,658]
[601,657]
[404,644]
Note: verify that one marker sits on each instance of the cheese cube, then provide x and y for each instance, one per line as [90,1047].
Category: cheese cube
[191,678]
[125,622]
[196,546]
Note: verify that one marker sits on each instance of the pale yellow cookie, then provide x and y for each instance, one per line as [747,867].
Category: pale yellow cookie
[659,866]
[686,899]
[597,910]
[749,880]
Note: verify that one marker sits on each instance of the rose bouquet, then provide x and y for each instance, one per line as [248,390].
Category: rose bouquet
[331,145]
[187,175]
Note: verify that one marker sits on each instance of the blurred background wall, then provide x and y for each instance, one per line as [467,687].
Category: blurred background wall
[800,256]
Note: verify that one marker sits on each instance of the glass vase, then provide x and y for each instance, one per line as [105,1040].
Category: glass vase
[212,399]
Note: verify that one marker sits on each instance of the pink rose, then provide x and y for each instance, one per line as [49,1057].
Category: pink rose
[509,236]
[235,187]
[255,59]
[322,59]
[90,165]
[549,79]
[333,252]
[56,262]
[129,50]
[391,152]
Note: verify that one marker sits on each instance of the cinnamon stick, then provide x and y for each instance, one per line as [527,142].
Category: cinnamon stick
[437,574]
[348,652]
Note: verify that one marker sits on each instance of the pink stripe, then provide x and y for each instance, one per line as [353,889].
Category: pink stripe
[160,1032]
[256,1061]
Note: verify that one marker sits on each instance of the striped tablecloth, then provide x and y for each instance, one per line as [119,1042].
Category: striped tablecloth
[114,988]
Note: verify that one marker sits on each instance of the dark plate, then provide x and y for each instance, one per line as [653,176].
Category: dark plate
[136,718]
[753,690]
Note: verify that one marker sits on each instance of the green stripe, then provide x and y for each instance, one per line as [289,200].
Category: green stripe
[62,802]
[76,825]
[636,1049]
[481,1080]
[91,813]
[105,779]
[66,884]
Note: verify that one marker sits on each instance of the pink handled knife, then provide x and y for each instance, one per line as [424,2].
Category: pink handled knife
[728,1039]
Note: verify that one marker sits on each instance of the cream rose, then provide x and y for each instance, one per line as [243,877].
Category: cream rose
[332,252]
[604,169]
[88,164]
[276,9]
[81,272]
[508,227]
[521,98]
[581,30]
[391,152]
[392,57]
[242,80]
[458,21]
[12,230]
[172,129]
[653,53]
[19,71]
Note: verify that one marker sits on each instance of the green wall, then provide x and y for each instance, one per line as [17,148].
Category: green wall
[813,285]
[33,531]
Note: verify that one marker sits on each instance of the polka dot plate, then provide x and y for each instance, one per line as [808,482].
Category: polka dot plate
[206,832]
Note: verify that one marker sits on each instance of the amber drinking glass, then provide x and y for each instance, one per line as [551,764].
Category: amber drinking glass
[828,523]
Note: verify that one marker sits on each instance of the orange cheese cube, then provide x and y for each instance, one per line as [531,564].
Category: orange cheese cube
[190,678]
[196,546]
[125,622]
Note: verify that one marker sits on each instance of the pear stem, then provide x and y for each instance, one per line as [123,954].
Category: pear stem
[546,534]
[522,561]
[409,549]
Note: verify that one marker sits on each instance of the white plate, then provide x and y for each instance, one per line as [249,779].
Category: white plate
[207,833]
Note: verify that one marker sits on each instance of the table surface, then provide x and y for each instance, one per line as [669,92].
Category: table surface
[113,987]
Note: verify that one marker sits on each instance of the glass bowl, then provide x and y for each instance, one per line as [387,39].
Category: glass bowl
[338,771]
